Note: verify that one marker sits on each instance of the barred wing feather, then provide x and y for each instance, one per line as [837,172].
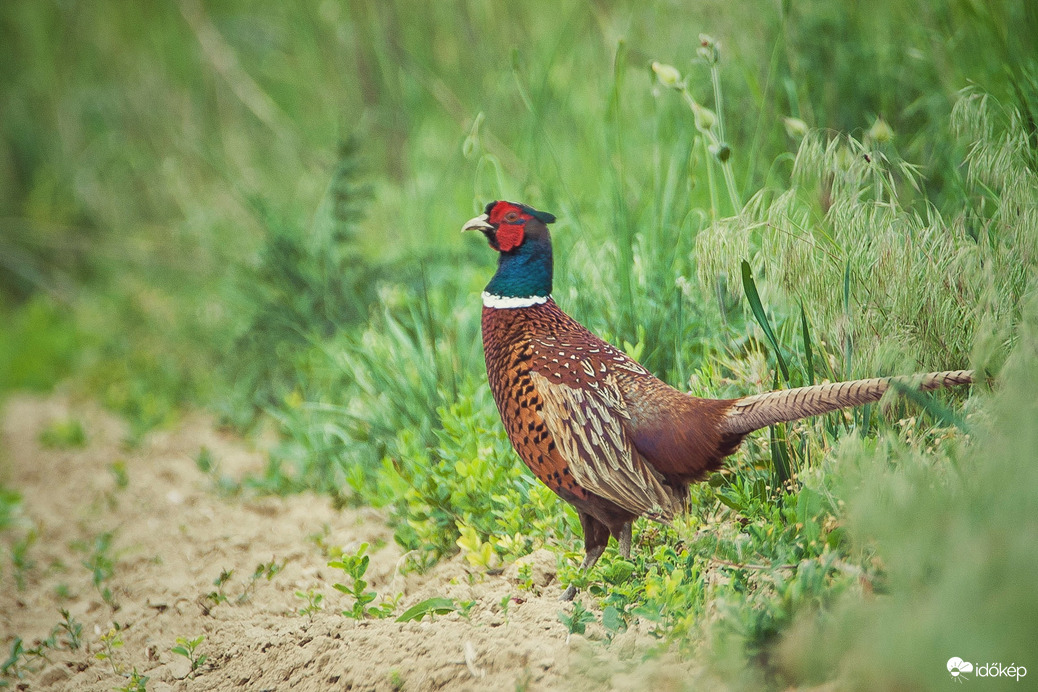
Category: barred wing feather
[589,429]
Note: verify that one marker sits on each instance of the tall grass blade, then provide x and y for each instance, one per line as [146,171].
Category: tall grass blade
[848,344]
[779,455]
[808,354]
[762,318]
[779,451]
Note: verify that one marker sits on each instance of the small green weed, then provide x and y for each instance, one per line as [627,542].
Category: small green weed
[21,660]
[217,597]
[264,570]
[111,641]
[320,539]
[10,508]
[577,620]
[186,647]
[430,606]
[505,604]
[23,535]
[354,567]
[525,577]
[36,656]
[465,608]
[223,483]
[20,559]
[314,600]
[64,434]
[119,474]
[73,630]
[11,666]
[101,564]
[135,683]
[205,462]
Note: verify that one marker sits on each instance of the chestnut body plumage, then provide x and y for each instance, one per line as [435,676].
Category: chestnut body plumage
[593,424]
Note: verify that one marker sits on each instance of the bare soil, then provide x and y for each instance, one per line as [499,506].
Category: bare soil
[174,533]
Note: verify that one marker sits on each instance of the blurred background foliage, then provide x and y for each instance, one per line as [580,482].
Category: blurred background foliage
[254,208]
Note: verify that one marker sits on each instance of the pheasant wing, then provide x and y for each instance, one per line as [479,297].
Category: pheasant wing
[587,421]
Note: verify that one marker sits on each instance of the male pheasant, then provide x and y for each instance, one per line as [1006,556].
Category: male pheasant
[593,424]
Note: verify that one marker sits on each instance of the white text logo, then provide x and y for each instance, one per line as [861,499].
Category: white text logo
[959,669]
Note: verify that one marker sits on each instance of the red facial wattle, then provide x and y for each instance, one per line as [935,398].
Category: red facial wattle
[509,236]
[510,222]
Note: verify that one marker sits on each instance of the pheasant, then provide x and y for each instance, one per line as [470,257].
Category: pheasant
[593,424]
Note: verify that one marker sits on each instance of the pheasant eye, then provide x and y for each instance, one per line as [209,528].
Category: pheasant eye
[511,217]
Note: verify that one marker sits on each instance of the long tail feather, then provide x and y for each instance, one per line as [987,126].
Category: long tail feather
[761,410]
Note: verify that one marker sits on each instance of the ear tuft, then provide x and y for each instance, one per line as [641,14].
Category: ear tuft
[542,216]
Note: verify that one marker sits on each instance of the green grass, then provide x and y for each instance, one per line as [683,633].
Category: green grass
[960,588]
[38,345]
[256,210]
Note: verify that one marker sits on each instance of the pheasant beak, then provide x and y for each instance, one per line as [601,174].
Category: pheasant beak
[480,223]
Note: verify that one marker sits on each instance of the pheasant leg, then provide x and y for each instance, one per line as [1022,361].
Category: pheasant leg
[596,538]
[624,539]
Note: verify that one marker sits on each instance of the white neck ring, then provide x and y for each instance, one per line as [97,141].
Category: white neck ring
[492,301]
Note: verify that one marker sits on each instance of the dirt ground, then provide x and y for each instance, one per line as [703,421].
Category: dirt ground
[172,535]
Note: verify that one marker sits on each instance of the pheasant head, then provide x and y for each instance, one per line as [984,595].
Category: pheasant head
[524,268]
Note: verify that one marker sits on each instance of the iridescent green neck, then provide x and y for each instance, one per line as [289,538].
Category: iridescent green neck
[525,271]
